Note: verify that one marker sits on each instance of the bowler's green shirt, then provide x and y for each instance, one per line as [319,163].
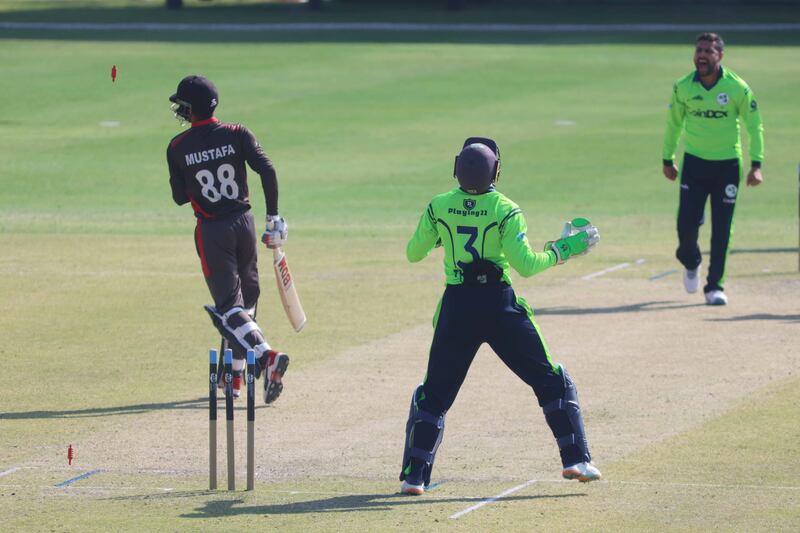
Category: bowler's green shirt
[711,119]
[477,226]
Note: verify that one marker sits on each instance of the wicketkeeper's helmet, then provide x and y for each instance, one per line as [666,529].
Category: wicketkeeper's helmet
[477,167]
[197,95]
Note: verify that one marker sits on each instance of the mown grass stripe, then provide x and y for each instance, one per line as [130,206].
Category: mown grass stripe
[391,26]
[662,275]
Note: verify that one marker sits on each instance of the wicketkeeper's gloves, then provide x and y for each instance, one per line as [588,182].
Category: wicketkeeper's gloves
[578,237]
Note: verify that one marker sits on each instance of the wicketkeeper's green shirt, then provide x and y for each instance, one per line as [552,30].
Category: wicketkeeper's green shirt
[477,226]
[711,119]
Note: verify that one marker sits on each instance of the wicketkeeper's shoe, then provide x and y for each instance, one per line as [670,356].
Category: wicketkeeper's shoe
[583,472]
[691,280]
[716,298]
[275,364]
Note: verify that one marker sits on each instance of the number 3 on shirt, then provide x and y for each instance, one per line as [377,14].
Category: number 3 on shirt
[227,183]
[472,231]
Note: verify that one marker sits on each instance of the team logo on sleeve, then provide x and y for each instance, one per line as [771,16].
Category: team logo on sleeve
[469,204]
[722,98]
[753,105]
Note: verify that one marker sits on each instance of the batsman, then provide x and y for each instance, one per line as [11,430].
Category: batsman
[483,233]
[208,169]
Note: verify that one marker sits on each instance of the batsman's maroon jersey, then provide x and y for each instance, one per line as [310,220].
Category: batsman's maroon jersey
[207,168]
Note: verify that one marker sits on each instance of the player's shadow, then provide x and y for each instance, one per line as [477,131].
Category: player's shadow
[758,316]
[763,250]
[640,307]
[343,504]
[107,411]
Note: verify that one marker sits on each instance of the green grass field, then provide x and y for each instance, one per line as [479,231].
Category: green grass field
[105,339]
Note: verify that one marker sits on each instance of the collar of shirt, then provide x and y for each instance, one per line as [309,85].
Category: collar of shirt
[490,189]
[719,77]
[212,120]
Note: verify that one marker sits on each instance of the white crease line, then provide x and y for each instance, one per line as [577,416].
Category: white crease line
[676,485]
[701,485]
[9,471]
[72,488]
[119,471]
[112,488]
[607,270]
[493,499]
[611,269]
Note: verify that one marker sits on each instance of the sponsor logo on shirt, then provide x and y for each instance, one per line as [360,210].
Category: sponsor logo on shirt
[709,113]
[211,154]
[468,212]
[722,98]
[697,97]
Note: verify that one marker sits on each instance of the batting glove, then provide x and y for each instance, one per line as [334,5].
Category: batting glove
[277,232]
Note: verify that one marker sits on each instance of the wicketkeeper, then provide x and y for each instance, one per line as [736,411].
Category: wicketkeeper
[207,169]
[482,233]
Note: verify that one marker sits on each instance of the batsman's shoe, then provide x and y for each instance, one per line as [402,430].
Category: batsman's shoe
[583,472]
[412,488]
[236,383]
[716,298]
[691,280]
[276,364]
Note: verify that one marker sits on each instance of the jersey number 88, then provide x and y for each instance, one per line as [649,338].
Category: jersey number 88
[227,183]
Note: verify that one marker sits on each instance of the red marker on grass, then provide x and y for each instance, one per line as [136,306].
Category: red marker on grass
[113,73]
[69,454]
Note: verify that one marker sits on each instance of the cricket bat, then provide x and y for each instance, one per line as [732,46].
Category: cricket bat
[291,303]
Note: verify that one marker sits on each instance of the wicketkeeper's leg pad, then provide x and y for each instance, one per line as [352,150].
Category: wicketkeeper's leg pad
[424,432]
[241,331]
[566,422]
